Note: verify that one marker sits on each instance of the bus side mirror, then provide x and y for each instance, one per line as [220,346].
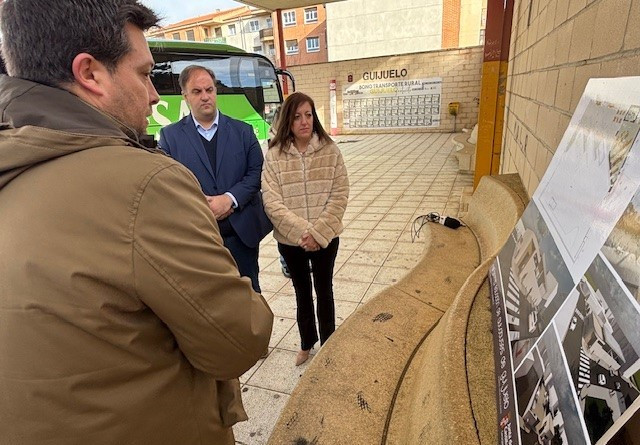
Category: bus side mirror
[281,72]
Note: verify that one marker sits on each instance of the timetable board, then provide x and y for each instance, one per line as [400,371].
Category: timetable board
[407,103]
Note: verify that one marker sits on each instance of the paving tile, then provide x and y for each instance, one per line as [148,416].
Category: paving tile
[269,251]
[347,243]
[348,290]
[291,341]
[376,216]
[343,310]
[274,267]
[388,235]
[272,282]
[343,254]
[367,258]
[358,272]
[287,289]
[247,375]
[373,245]
[278,372]
[395,217]
[353,232]
[338,265]
[283,305]
[258,428]
[385,203]
[264,262]
[403,209]
[358,224]
[281,326]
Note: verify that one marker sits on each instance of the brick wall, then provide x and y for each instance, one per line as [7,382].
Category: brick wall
[556,47]
[300,32]
[450,23]
[460,70]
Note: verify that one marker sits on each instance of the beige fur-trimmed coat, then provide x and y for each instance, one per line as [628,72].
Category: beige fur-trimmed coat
[305,192]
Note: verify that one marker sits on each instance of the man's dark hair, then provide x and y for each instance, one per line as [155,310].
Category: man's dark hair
[42,37]
[186,73]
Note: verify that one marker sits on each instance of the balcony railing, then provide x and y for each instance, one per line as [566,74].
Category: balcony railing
[266,34]
[215,39]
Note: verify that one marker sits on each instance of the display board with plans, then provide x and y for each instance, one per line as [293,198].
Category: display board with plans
[564,288]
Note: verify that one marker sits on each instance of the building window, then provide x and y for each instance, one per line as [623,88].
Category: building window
[481,37]
[218,32]
[257,49]
[191,35]
[289,18]
[311,15]
[176,36]
[232,30]
[206,32]
[292,46]
[254,26]
[269,22]
[313,44]
[272,49]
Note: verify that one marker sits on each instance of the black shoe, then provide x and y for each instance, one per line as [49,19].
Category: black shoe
[285,272]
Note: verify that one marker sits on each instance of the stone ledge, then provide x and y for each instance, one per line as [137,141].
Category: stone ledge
[396,371]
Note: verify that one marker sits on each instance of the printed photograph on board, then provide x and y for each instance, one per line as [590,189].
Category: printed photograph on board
[601,358]
[535,281]
[622,248]
[547,408]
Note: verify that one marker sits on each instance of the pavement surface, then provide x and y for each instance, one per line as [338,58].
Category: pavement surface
[394,179]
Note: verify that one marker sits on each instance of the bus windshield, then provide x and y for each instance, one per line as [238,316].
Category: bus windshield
[247,85]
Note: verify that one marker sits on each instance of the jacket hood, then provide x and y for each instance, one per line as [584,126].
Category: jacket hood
[39,123]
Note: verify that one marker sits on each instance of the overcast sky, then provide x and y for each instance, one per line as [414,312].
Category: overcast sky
[174,11]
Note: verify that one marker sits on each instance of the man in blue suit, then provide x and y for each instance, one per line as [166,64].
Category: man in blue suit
[226,158]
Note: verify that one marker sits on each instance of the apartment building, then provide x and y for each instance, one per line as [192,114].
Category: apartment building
[244,27]
[252,31]
[203,28]
[304,31]
[342,30]
[357,29]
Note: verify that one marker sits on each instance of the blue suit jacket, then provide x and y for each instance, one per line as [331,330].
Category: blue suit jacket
[238,168]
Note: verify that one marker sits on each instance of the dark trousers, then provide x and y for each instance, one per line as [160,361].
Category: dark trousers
[322,263]
[246,258]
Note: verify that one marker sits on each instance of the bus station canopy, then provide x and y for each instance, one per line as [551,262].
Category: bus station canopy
[272,5]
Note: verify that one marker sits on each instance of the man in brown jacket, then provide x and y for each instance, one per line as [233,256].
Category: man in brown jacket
[123,319]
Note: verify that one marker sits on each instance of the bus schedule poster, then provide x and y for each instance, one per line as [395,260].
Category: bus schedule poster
[402,103]
[565,287]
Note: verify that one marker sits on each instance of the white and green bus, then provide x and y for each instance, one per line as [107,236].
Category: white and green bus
[247,84]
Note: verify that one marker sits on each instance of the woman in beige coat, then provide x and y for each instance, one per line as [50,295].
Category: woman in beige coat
[305,191]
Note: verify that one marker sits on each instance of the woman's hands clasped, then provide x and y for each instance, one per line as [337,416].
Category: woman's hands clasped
[308,242]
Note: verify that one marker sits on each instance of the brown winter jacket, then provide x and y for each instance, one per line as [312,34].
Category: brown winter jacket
[123,319]
[305,192]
